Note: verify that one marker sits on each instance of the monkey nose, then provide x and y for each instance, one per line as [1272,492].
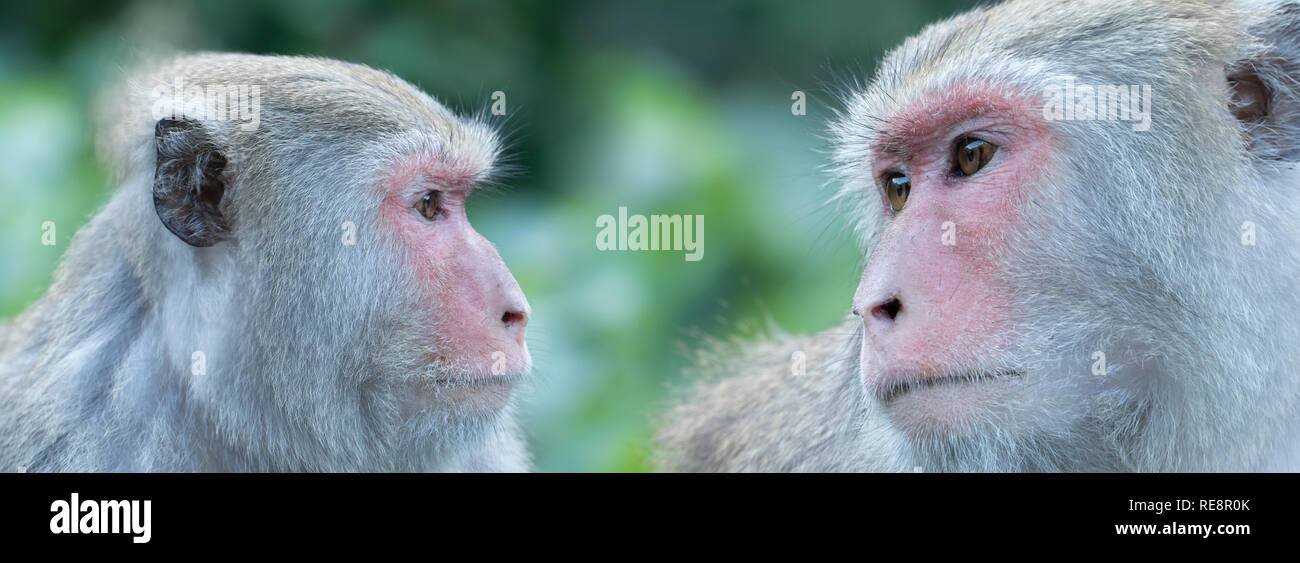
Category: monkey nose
[513,320]
[880,313]
[514,316]
[887,310]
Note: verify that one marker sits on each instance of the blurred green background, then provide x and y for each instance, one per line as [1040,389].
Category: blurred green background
[678,108]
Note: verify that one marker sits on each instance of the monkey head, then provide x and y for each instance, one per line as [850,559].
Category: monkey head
[1071,279]
[323,262]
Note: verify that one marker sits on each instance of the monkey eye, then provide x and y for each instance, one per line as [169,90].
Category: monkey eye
[972,154]
[430,205]
[897,187]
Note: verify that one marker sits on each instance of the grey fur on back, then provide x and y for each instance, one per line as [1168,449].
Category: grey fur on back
[776,412]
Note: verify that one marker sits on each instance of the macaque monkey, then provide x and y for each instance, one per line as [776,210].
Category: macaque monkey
[285,280]
[1081,227]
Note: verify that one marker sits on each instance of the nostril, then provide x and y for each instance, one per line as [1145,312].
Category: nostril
[888,310]
[512,317]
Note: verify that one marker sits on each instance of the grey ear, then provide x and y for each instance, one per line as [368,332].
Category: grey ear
[188,185]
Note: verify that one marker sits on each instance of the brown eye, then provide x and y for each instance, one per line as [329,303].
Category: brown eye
[429,205]
[897,188]
[972,154]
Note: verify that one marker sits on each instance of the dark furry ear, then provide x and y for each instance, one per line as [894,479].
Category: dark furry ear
[188,185]
[1265,90]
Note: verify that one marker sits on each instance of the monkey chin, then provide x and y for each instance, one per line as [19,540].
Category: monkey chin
[949,406]
[476,397]
[455,389]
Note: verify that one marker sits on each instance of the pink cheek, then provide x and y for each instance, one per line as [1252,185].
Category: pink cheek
[458,284]
[954,306]
[418,238]
[432,257]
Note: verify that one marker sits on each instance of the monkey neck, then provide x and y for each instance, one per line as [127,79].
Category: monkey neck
[103,350]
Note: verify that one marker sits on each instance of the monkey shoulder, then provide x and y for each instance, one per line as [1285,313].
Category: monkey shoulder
[783,403]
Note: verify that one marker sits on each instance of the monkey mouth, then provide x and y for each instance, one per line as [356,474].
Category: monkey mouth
[449,373]
[478,380]
[469,394]
[893,388]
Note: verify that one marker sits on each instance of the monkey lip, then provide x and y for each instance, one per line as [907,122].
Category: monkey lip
[447,373]
[891,388]
[479,380]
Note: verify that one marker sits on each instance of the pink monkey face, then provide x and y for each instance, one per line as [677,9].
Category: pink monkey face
[477,313]
[952,170]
